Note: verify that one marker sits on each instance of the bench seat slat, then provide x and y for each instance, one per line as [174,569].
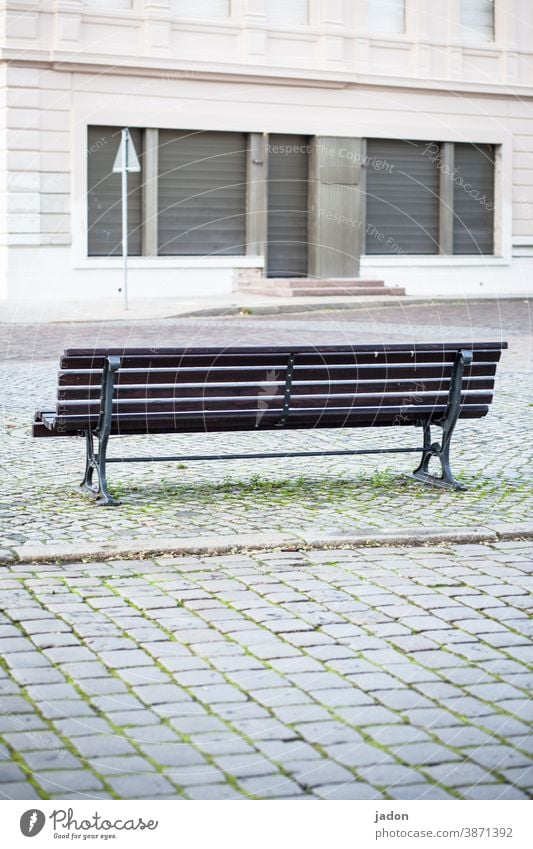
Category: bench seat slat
[169,390]
[186,421]
[345,372]
[259,403]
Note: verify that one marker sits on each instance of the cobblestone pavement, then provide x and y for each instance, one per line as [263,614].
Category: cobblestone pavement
[372,674]
[40,503]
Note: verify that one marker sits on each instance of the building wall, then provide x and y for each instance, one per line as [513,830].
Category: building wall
[329,78]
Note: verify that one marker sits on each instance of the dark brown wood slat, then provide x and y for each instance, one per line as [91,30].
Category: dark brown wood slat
[172,391]
[278,360]
[313,374]
[258,404]
[341,417]
[313,349]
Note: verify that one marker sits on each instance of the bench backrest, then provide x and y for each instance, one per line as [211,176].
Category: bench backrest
[191,389]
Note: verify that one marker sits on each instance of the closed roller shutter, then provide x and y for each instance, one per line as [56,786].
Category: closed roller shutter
[202,193]
[473,199]
[402,198]
[287,11]
[104,195]
[287,206]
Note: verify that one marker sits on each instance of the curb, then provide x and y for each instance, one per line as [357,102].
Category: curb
[234,544]
[360,304]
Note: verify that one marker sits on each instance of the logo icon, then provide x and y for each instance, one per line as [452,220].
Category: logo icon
[32,822]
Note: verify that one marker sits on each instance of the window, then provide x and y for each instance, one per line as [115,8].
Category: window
[104,195]
[202,193]
[473,199]
[200,8]
[384,15]
[287,11]
[477,19]
[419,201]
[402,198]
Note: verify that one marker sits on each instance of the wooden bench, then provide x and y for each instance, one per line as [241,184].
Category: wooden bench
[119,392]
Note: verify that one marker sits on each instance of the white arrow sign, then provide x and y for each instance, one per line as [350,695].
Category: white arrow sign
[126,158]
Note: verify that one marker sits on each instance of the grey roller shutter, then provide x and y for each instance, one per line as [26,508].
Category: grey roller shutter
[202,193]
[104,195]
[287,205]
[473,199]
[402,197]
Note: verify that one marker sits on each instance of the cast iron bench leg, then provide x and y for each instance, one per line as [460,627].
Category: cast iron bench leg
[442,450]
[96,462]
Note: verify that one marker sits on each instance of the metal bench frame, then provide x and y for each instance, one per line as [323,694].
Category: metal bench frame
[96,461]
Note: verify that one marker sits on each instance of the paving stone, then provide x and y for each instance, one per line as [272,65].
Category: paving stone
[492,791]
[18,790]
[311,774]
[173,754]
[356,790]
[141,786]
[423,792]
[10,771]
[245,765]
[459,775]
[45,759]
[270,786]
[389,775]
[56,781]
[96,745]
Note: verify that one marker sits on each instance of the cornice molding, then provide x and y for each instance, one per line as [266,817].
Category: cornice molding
[252,75]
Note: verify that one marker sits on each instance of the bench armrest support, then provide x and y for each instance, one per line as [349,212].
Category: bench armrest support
[111,366]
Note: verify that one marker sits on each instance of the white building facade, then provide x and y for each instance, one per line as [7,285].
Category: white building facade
[388,139]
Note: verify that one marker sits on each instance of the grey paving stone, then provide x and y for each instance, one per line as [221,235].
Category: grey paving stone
[45,759]
[213,792]
[10,771]
[420,754]
[389,775]
[492,791]
[121,764]
[519,776]
[56,782]
[245,765]
[18,790]
[142,786]
[97,745]
[423,792]
[459,775]
[270,786]
[65,708]
[173,754]
[125,658]
[356,790]
[311,774]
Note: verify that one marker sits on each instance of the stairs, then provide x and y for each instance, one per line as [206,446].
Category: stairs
[297,287]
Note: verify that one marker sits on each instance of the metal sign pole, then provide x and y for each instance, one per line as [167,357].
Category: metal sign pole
[125,140]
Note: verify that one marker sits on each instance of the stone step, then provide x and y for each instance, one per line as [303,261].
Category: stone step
[333,283]
[301,292]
